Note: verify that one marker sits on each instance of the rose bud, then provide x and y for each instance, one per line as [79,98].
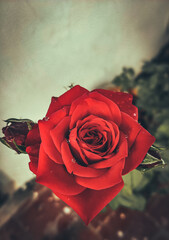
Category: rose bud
[15,134]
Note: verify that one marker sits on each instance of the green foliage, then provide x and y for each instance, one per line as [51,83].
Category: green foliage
[152,100]
[125,80]
[131,195]
[153,97]
[153,93]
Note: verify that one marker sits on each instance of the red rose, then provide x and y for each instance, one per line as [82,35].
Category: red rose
[84,145]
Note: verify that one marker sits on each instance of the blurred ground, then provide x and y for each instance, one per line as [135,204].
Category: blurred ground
[35,213]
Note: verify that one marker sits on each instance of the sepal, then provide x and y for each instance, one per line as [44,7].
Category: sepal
[152,159]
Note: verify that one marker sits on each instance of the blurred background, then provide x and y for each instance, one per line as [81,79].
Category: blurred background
[45,46]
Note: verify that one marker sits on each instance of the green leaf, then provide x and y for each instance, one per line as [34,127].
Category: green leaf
[128,199]
[131,196]
[136,180]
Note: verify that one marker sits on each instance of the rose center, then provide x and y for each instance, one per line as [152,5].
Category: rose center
[93,137]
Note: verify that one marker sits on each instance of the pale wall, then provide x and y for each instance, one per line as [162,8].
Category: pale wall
[46,45]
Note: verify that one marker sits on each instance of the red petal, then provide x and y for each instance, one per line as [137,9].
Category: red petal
[33,136]
[91,156]
[54,106]
[65,99]
[33,167]
[73,166]
[123,100]
[59,133]
[86,106]
[33,150]
[90,202]
[122,153]
[55,176]
[95,123]
[75,148]
[45,127]
[116,114]
[140,147]
[114,128]
[109,130]
[33,164]
[68,97]
[130,109]
[107,180]
[117,97]
[130,127]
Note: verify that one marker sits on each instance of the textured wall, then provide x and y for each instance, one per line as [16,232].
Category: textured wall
[46,45]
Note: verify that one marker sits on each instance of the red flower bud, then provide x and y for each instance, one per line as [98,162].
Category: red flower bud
[15,134]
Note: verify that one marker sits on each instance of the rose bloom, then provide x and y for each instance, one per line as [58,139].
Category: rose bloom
[84,145]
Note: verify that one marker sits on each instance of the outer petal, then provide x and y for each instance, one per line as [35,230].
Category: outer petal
[72,94]
[73,166]
[90,202]
[33,136]
[33,150]
[65,99]
[54,106]
[33,166]
[45,127]
[58,133]
[55,176]
[117,97]
[123,100]
[142,143]
[33,144]
[130,127]
[107,180]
